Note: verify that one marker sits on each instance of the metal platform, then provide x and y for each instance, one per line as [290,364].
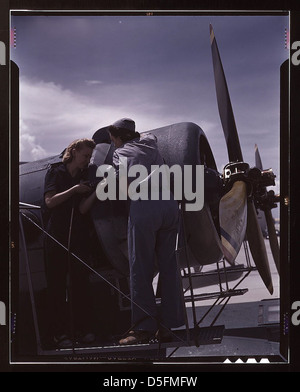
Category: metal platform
[249,325]
[181,338]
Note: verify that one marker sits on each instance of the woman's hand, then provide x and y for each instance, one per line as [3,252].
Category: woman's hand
[53,199]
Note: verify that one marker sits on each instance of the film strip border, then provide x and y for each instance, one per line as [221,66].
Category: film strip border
[249,360]
[286,38]
[13,37]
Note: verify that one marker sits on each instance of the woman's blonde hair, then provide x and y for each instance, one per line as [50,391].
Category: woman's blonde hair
[77,145]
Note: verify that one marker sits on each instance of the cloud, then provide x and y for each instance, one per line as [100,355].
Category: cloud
[29,149]
[51,117]
[93,82]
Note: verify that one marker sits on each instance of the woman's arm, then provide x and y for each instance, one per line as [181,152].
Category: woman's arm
[53,199]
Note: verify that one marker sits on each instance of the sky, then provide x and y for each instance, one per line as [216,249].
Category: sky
[81,73]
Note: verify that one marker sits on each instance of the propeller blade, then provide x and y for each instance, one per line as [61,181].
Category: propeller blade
[258,248]
[254,234]
[233,220]
[224,104]
[258,162]
[269,220]
[273,238]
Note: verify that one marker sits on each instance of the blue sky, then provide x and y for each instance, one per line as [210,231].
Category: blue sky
[80,73]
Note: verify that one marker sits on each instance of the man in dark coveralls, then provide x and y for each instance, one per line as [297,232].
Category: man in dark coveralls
[152,231]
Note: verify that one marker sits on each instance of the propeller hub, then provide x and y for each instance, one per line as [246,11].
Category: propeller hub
[260,179]
[234,171]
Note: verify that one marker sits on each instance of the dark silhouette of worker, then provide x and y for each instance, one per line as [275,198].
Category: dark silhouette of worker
[67,197]
[152,231]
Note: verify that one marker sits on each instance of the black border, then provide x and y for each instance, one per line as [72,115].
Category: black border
[291,184]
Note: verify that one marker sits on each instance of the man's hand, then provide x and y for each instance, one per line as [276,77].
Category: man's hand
[82,188]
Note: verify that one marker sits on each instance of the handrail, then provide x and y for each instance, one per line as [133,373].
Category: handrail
[100,276]
[33,206]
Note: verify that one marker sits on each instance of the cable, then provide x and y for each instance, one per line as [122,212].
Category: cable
[70,279]
[102,277]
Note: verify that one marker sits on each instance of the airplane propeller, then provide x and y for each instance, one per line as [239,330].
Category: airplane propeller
[267,203]
[237,211]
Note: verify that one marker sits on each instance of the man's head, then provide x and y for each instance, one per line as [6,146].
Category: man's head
[122,131]
[125,124]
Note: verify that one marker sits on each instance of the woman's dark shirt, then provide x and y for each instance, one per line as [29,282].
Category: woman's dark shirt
[59,179]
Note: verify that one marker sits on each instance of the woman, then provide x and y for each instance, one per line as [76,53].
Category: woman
[67,197]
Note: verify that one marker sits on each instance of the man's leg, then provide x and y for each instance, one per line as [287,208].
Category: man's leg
[172,305]
[141,246]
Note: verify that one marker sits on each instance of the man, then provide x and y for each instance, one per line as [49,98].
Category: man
[152,231]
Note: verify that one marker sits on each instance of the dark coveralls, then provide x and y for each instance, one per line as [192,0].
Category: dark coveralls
[58,179]
[152,232]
